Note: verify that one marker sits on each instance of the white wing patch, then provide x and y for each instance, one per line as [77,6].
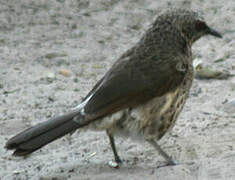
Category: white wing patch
[82,105]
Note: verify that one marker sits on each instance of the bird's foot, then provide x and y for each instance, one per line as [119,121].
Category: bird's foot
[115,164]
[174,163]
[168,163]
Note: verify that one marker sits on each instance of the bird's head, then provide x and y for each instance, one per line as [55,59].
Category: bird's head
[191,24]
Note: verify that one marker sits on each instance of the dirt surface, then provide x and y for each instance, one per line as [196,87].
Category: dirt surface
[53,52]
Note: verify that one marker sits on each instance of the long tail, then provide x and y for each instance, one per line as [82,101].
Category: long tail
[40,135]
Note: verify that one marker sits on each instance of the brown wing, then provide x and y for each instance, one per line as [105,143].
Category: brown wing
[134,80]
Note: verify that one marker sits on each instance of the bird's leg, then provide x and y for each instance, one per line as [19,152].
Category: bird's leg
[112,143]
[169,160]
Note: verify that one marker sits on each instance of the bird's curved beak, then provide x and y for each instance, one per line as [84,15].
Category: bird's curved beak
[213,32]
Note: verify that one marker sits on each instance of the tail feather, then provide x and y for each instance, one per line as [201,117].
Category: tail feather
[40,135]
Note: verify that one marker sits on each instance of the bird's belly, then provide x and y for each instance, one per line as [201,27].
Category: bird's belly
[153,119]
[148,121]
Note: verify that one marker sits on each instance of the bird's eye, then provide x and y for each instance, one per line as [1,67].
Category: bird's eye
[200,25]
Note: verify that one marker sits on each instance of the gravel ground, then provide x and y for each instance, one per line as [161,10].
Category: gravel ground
[53,52]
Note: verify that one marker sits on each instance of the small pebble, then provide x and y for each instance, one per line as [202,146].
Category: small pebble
[65,72]
[16,172]
[50,76]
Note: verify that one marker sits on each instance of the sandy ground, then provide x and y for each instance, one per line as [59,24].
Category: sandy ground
[52,53]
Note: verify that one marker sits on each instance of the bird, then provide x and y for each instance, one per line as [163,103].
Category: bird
[140,96]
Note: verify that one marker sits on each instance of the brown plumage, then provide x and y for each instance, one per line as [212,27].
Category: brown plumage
[140,96]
